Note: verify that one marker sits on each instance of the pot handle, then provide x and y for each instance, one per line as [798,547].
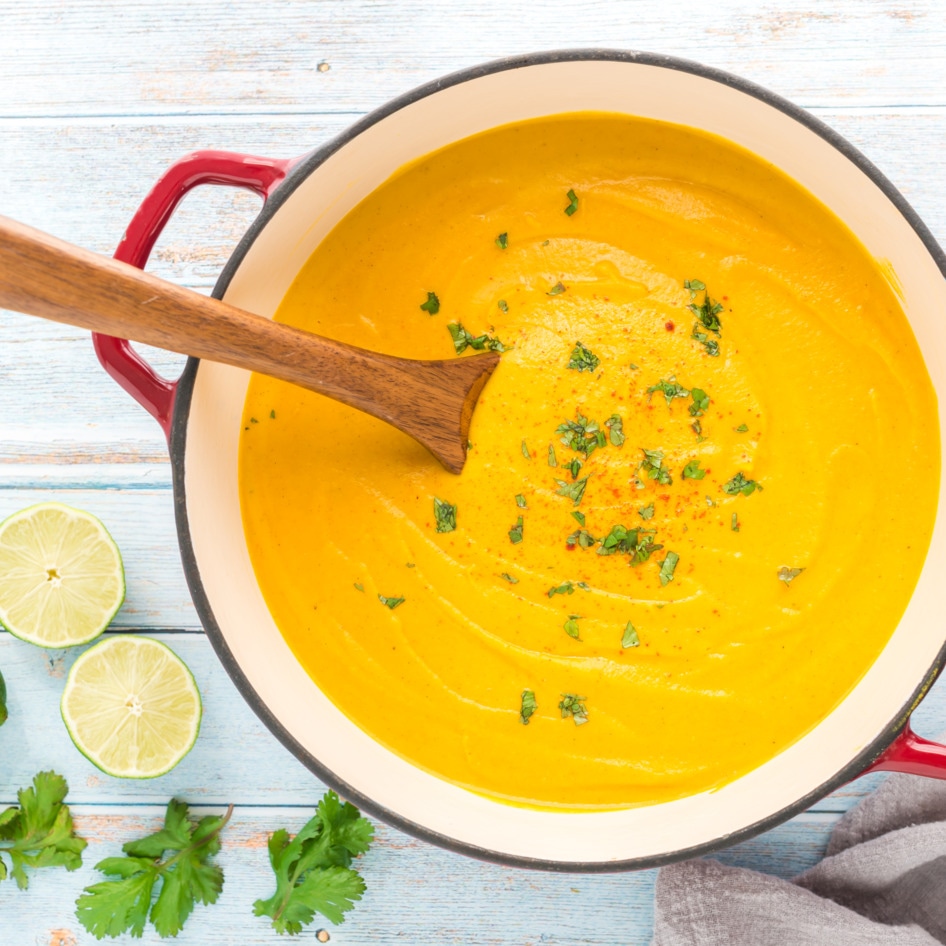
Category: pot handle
[260,175]
[912,754]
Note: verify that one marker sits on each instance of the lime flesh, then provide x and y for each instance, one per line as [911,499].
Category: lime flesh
[131,707]
[61,576]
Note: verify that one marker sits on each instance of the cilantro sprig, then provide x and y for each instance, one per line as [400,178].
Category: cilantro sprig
[39,833]
[178,856]
[313,870]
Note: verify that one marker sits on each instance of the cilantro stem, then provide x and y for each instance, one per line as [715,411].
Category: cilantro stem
[163,866]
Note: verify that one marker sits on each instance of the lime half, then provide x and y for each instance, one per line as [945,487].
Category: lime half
[61,576]
[131,707]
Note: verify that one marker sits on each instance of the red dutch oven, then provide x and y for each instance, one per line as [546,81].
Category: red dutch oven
[200,414]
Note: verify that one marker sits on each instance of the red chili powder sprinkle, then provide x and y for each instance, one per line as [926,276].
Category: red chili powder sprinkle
[670,326]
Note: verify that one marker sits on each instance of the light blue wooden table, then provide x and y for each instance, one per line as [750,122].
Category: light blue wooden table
[96,98]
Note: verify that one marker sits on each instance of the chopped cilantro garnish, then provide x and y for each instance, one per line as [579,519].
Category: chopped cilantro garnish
[707,312]
[574,467]
[359,586]
[502,241]
[709,501]
[521,501]
[670,389]
[572,202]
[583,585]
[646,512]
[580,516]
[574,491]
[653,466]
[582,538]
[582,435]
[701,402]
[556,290]
[692,471]
[709,344]
[525,451]
[694,285]
[638,543]
[574,706]
[509,578]
[432,305]
[253,420]
[552,459]
[667,567]
[515,533]
[446,515]
[788,575]
[739,484]
[272,415]
[391,603]
[742,429]
[616,429]
[734,522]
[571,626]
[566,588]
[583,359]
[503,305]
[630,638]
[697,428]
[462,340]
[528,706]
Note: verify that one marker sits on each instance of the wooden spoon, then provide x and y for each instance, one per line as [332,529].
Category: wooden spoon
[432,401]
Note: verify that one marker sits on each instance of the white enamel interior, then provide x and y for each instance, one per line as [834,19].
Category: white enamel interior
[213,508]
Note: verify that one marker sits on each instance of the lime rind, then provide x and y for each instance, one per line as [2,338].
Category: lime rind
[44,610]
[102,688]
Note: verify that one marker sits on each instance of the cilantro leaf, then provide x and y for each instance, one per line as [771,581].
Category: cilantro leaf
[572,202]
[667,567]
[445,514]
[734,523]
[553,461]
[566,588]
[582,538]
[579,516]
[40,832]
[432,305]
[739,484]
[391,603]
[582,435]
[646,512]
[788,575]
[653,466]
[313,869]
[525,451]
[574,491]
[707,312]
[701,402]
[502,241]
[638,543]
[582,359]
[462,340]
[694,285]
[573,705]
[709,344]
[3,701]
[179,856]
[630,638]
[556,290]
[509,578]
[742,429]
[515,533]
[503,306]
[521,501]
[528,706]
[692,471]
[670,389]
[571,626]
[616,429]
[574,467]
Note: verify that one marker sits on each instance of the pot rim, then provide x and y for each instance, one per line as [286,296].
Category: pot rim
[300,171]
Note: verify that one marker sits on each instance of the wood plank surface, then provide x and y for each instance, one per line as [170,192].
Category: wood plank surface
[97,97]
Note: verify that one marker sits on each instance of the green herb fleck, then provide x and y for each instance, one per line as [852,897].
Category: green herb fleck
[509,578]
[653,466]
[556,290]
[253,420]
[638,543]
[670,389]
[571,626]
[582,538]
[462,340]
[502,241]
[574,491]
[583,359]
[646,512]
[734,522]
[566,588]
[574,706]
[692,471]
[697,428]
[515,533]
[359,586]
[739,484]
[525,451]
[788,575]
[528,707]
[694,285]
[574,467]
[630,638]
[521,501]
[552,460]
[580,516]
[432,305]
[709,501]
[667,567]
[503,305]
[391,603]
[709,344]
[272,415]
[742,429]
[445,514]
[572,202]
[701,402]
[616,429]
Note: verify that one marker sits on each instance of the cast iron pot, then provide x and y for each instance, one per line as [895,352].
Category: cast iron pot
[200,414]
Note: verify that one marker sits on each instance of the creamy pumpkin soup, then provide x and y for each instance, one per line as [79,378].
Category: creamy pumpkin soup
[700,484]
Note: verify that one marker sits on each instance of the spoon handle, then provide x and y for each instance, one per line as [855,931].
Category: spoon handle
[431,401]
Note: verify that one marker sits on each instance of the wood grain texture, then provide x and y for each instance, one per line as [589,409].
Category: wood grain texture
[96,98]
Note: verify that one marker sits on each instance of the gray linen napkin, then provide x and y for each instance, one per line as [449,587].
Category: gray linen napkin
[882,883]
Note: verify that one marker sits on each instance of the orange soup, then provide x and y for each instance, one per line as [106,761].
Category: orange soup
[700,485]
